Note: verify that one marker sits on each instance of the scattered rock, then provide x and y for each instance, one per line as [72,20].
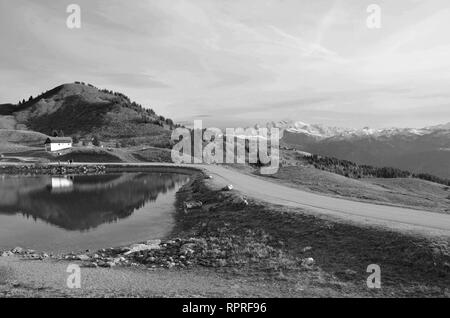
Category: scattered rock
[308,262]
[189,205]
[228,188]
[89,265]
[7,253]
[240,201]
[83,257]
[17,250]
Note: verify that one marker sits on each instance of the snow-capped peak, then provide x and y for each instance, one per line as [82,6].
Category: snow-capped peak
[318,131]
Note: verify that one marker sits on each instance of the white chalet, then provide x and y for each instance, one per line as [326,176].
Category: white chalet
[58,143]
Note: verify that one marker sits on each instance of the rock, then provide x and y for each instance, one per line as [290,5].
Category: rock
[306,249]
[15,284]
[187,249]
[240,201]
[228,188]
[189,205]
[89,265]
[150,260]
[222,262]
[83,257]
[150,245]
[6,254]
[308,262]
[170,264]
[118,260]
[106,264]
[17,250]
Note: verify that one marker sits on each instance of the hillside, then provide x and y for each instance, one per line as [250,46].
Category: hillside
[85,111]
[341,178]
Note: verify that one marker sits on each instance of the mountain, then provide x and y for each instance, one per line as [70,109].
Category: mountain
[83,110]
[425,150]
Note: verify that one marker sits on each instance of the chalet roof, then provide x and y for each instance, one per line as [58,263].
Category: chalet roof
[60,140]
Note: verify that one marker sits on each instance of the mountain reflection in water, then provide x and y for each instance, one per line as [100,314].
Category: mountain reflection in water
[82,203]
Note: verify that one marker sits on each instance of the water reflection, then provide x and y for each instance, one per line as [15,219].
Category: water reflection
[82,203]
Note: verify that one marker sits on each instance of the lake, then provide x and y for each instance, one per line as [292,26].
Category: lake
[75,213]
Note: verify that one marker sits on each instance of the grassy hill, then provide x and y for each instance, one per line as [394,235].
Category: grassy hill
[85,111]
[343,178]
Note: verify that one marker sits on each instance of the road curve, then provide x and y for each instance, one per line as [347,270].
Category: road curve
[391,216]
[367,213]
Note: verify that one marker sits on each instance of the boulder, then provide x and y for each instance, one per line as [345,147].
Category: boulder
[6,254]
[228,188]
[189,205]
[308,262]
[83,257]
[150,245]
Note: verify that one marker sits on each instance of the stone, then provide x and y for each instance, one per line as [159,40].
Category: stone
[150,245]
[187,249]
[17,250]
[150,259]
[7,253]
[241,201]
[308,261]
[306,249]
[89,265]
[228,188]
[189,205]
[83,257]
[222,262]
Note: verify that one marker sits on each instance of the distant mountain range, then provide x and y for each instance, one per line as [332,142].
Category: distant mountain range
[83,110]
[424,150]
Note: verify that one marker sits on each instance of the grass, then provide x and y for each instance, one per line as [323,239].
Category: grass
[406,192]
[82,154]
[153,155]
[89,155]
[273,241]
[22,137]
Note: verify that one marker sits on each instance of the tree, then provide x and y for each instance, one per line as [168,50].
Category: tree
[96,141]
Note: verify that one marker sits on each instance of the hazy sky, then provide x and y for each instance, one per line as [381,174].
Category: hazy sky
[240,61]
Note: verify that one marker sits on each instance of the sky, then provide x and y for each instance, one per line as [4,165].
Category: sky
[240,62]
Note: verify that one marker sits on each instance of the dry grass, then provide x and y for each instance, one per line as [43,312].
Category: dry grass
[405,192]
[411,266]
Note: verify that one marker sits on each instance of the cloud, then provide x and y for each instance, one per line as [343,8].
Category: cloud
[241,60]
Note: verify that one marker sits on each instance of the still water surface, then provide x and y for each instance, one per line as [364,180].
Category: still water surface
[62,214]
